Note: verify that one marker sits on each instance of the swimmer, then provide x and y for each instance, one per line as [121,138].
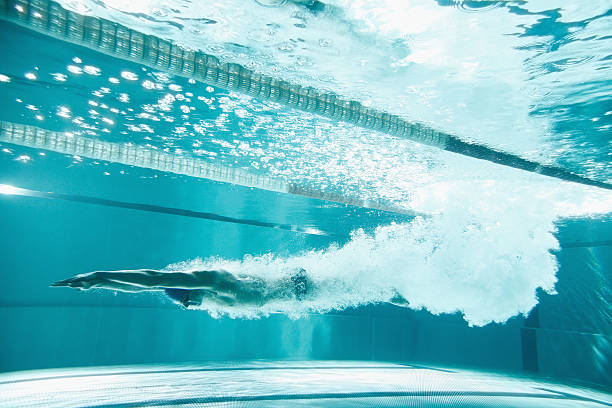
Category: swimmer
[193,288]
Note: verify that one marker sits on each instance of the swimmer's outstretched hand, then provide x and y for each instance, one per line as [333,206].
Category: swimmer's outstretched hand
[82,282]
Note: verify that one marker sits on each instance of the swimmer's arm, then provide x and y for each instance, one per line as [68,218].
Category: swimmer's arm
[123,287]
[147,279]
[144,278]
[125,281]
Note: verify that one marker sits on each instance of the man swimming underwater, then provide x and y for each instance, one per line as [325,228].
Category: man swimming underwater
[190,289]
[193,288]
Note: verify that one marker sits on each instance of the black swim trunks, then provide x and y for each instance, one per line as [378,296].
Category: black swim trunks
[180,296]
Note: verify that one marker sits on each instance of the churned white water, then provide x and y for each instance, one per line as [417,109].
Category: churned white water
[484,251]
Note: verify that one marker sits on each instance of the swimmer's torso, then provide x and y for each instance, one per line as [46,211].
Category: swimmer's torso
[228,290]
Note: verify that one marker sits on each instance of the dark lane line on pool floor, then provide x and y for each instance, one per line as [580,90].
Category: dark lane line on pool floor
[8,190]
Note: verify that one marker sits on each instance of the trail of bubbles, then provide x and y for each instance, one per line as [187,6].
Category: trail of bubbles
[486,250]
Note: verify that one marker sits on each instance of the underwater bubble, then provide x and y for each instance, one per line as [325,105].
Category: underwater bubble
[59,77]
[286,46]
[271,3]
[130,76]
[74,69]
[148,84]
[91,70]
[64,112]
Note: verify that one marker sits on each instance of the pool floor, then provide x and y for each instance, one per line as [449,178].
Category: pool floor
[284,384]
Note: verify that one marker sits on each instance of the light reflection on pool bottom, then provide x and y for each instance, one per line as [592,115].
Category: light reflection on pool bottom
[284,384]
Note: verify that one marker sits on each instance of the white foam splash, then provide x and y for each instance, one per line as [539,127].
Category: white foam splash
[435,263]
[483,257]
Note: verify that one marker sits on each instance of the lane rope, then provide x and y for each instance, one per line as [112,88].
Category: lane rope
[139,156]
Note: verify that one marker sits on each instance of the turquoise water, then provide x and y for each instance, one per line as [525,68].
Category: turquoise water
[504,270]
